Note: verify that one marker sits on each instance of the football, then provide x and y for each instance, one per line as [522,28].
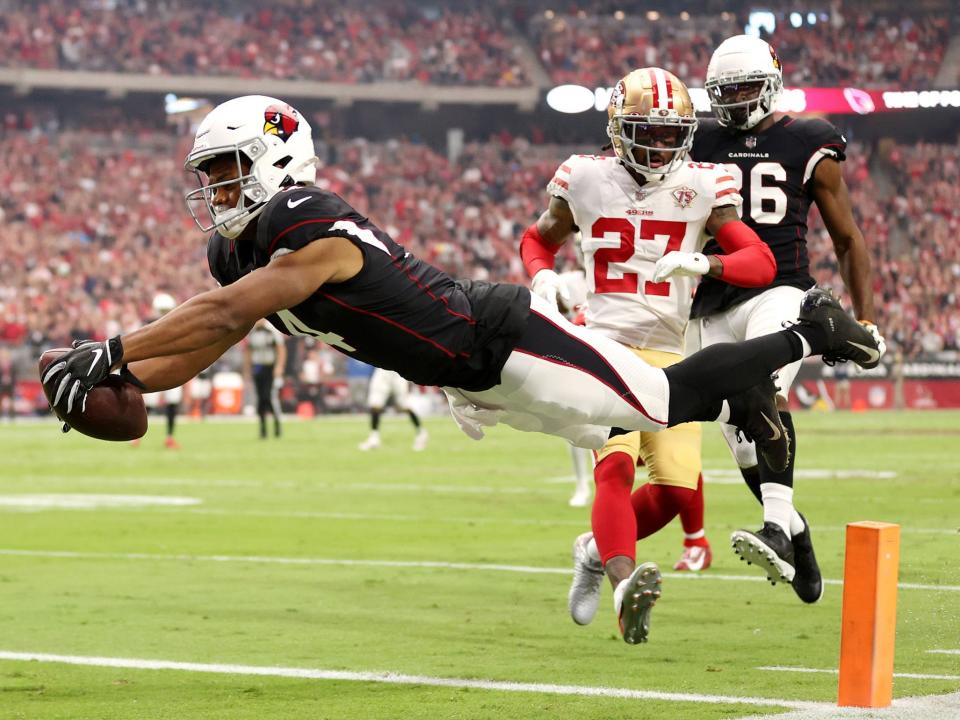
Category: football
[115,409]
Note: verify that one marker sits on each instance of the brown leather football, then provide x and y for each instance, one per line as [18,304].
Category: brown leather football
[115,409]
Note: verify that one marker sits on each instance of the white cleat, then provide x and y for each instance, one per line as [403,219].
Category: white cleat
[633,601]
[581,498]
[371,443]
[584,596]
[695,558]
[420,441]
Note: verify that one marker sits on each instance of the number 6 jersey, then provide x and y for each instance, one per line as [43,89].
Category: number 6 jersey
[625,228]
[773,170]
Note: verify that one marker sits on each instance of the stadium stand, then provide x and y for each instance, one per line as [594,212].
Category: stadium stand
[326,41]
[112,230]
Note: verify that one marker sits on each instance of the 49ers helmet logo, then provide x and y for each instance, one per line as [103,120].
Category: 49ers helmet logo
[280,120]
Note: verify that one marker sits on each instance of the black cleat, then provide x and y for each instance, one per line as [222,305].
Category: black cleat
[754,412]
[846,338]
[807,583]
[770,548]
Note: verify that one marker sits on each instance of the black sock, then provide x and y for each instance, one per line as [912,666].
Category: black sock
[700,383]
[813,334]
[263,425]
[786,477]
[375,419]
[171,419]
[751,476]
[414,419]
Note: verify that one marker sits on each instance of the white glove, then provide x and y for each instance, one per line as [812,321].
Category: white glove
[881,343]
[551,287]
[685,264]
[277,383]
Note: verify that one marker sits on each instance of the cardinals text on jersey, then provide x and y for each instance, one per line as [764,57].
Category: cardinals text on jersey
[625,228]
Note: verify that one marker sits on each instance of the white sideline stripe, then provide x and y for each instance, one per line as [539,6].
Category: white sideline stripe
[832,671]
[306,483]
[402,679]
[945,652]
[493,567]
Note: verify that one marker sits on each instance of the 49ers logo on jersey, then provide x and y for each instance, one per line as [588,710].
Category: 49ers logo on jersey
[280,120]
[684,196]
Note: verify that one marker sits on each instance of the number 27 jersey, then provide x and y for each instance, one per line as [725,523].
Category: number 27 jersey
[625,228]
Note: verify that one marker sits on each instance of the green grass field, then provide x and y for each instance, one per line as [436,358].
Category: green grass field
[305,553]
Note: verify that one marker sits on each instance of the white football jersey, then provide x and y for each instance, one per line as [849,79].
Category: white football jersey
[625,228]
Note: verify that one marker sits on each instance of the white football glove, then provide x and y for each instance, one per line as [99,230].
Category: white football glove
[551,287]
[685,264]
[277,383]
[881,343]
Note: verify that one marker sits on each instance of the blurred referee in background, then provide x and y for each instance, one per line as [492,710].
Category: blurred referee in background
[264,359]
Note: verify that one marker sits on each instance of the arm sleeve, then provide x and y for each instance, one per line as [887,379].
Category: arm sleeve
[748,261]
[823,141]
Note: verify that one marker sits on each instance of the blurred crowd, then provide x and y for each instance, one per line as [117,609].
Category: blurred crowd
[494,44]
[321,40]
[865,48]
[93,225]
[911,233]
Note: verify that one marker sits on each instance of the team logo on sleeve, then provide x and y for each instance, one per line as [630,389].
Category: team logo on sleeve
[684,196]
[280,120]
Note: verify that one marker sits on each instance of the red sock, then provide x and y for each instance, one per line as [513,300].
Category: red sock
[691,517]
[656,505]
[614,524]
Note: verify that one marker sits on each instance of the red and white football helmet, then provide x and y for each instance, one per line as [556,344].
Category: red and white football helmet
[265,132]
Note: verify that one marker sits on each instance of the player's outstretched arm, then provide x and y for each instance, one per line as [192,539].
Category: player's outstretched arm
[833,200]
[539,246]
[211,317]
[170,371]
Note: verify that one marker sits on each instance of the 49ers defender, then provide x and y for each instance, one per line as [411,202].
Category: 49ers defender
[643,215]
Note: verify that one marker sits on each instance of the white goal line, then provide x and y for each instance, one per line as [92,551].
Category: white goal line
[403,679]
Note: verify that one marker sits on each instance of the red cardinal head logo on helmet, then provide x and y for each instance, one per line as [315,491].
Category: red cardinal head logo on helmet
[280,120]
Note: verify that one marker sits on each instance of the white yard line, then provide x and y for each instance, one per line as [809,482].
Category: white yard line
[833,671]
[433,564]
[945,652]
[403,679]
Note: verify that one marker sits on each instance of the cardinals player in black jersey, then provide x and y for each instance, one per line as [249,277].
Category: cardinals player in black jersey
[311,264]
[782,165]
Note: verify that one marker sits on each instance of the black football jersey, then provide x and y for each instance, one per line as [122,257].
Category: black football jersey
[774,170]
[398,312]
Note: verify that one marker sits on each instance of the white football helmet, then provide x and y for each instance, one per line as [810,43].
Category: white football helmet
[744,81]
[266,133]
